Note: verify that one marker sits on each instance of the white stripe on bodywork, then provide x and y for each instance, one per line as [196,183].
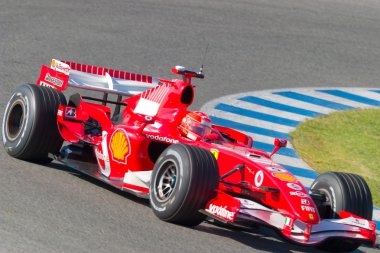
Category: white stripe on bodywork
[109,81]
[141,178]
[138,178]
[107,167]
[146,107]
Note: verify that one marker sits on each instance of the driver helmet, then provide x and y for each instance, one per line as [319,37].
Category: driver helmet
[195,125]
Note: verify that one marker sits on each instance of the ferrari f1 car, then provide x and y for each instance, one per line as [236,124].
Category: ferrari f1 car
[148,143]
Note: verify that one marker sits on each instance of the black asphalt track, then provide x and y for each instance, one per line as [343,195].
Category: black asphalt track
[252,45]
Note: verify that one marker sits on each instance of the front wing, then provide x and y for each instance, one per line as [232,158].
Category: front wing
[244,212]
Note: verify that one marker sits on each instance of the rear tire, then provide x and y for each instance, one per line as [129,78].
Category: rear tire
[29,126]
[344,192]
[184,179]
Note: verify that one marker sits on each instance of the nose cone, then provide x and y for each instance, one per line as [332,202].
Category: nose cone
[302,203]
[296,196]
[308,211]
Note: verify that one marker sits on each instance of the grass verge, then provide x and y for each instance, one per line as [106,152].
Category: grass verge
[347,141]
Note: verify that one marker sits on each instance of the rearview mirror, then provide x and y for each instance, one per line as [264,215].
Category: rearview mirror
[278,143]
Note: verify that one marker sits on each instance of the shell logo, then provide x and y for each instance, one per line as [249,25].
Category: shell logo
[120,146]
[284,177]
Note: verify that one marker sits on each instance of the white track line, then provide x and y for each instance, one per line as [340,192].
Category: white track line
[305,181]
[335,99]
[297,103]
[291,161]
[267,110]
[364,92]
[376,216]
[251,121]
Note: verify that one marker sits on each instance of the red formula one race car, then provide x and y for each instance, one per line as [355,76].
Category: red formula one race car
[151,145]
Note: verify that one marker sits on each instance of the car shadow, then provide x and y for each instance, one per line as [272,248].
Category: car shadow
[97,182]
[259,238]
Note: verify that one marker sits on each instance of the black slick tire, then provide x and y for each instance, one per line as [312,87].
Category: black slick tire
[347,192]
[29,126]
[184,179]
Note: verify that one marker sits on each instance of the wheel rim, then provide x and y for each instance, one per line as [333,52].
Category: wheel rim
[15,120]
[166,181]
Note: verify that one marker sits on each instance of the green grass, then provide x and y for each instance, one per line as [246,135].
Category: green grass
[346,141]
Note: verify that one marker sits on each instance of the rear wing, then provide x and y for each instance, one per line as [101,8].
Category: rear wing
[62,74]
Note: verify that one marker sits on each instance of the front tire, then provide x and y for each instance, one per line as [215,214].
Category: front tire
[343,192]
[184,179]
[29,126]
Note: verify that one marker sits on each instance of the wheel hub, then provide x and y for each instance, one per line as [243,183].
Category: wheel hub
[166,181]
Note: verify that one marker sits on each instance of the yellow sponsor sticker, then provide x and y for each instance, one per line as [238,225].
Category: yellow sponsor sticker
[215,153]
[284,176]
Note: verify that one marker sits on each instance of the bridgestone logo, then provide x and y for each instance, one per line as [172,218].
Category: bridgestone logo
[53,80]
[42,83]
[161,138]
[221,212]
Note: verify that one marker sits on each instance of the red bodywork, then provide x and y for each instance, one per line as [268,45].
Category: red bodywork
[252,187]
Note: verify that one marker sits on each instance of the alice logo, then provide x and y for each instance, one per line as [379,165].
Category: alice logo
[119,146]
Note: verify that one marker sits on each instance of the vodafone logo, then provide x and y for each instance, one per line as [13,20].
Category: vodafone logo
[259,178]
[221,211]
[161,138]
